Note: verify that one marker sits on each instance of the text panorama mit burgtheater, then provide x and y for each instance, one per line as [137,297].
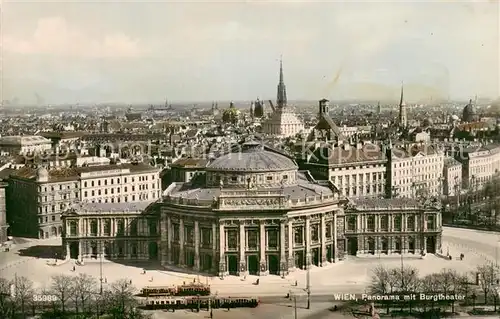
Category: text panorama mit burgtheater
[420,297]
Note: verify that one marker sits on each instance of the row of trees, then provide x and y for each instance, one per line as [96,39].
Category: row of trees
[406,280]
[68,297]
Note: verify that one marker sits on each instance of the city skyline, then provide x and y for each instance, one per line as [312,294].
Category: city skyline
[134,53]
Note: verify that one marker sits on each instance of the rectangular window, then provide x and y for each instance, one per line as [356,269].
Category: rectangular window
[253,240]
[272,239]
[371,223]
[298,238]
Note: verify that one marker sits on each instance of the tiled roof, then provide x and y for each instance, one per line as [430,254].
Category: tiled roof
[24,140]
[329,155]
[190,162]
[72,173]
[87,208]
[63,135]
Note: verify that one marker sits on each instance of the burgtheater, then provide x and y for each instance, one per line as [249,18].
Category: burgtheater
[252,212]
[247,212]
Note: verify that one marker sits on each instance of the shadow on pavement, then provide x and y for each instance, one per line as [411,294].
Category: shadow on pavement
[43,251]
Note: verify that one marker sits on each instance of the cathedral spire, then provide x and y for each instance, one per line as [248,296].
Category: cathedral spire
[281,99]
[403,119]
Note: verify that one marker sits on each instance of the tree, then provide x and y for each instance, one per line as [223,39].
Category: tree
[409,281]
[23,293]
[84,287]
[6,306]
[488,273]
[449,282]
[379,284]
[120,299]
[62,287]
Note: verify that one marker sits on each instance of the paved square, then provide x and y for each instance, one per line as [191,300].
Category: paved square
[349,276]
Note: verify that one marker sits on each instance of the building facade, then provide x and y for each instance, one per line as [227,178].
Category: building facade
[38,195]
[115,231]
[414,170]
[25,145]
[452,174]
[392,226]
[3,213]
[357,171]
[480,164]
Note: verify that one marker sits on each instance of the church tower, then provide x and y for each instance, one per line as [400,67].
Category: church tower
[281,100]
[403,119]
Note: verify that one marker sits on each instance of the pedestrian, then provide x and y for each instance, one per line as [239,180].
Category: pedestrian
[105,280]
[74,268]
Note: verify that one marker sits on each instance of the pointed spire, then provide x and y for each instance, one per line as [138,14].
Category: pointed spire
[281,69]
[281,99]
[401,100]
[403,119]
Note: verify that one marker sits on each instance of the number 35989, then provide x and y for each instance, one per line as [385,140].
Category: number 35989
[44,298]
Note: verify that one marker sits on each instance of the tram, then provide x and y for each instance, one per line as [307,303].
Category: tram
[191,289]
[202,302]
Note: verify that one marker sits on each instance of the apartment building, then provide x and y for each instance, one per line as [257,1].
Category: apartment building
[25,145]
[452,173]
[357,171]
[480,164]
[37,195]
[414,170]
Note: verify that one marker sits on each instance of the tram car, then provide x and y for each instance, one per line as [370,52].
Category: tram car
[158,291]
[199,303]
[191,289]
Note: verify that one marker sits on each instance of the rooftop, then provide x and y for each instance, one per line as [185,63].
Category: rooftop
[329,155]
[385,203]
[98,208]
[72,173]
[190,162]
[304,193]
[21,140]
[253,157]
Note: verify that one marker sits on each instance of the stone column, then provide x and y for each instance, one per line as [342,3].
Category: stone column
[283,268]
[307,231]
[262,250]
[80,250]
[182,260]
[324,260]
[291,260]
[196,246]
[335,248]
[163,240]
[68,252]
[222,248]
[243,263]
[214,248]
[169,240]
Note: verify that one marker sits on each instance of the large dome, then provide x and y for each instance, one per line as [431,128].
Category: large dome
[469,113]
[252,158]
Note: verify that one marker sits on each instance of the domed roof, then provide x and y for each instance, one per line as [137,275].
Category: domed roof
[253,158]
[469,113]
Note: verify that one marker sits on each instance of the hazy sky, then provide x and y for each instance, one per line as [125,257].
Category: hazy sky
[145,51]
